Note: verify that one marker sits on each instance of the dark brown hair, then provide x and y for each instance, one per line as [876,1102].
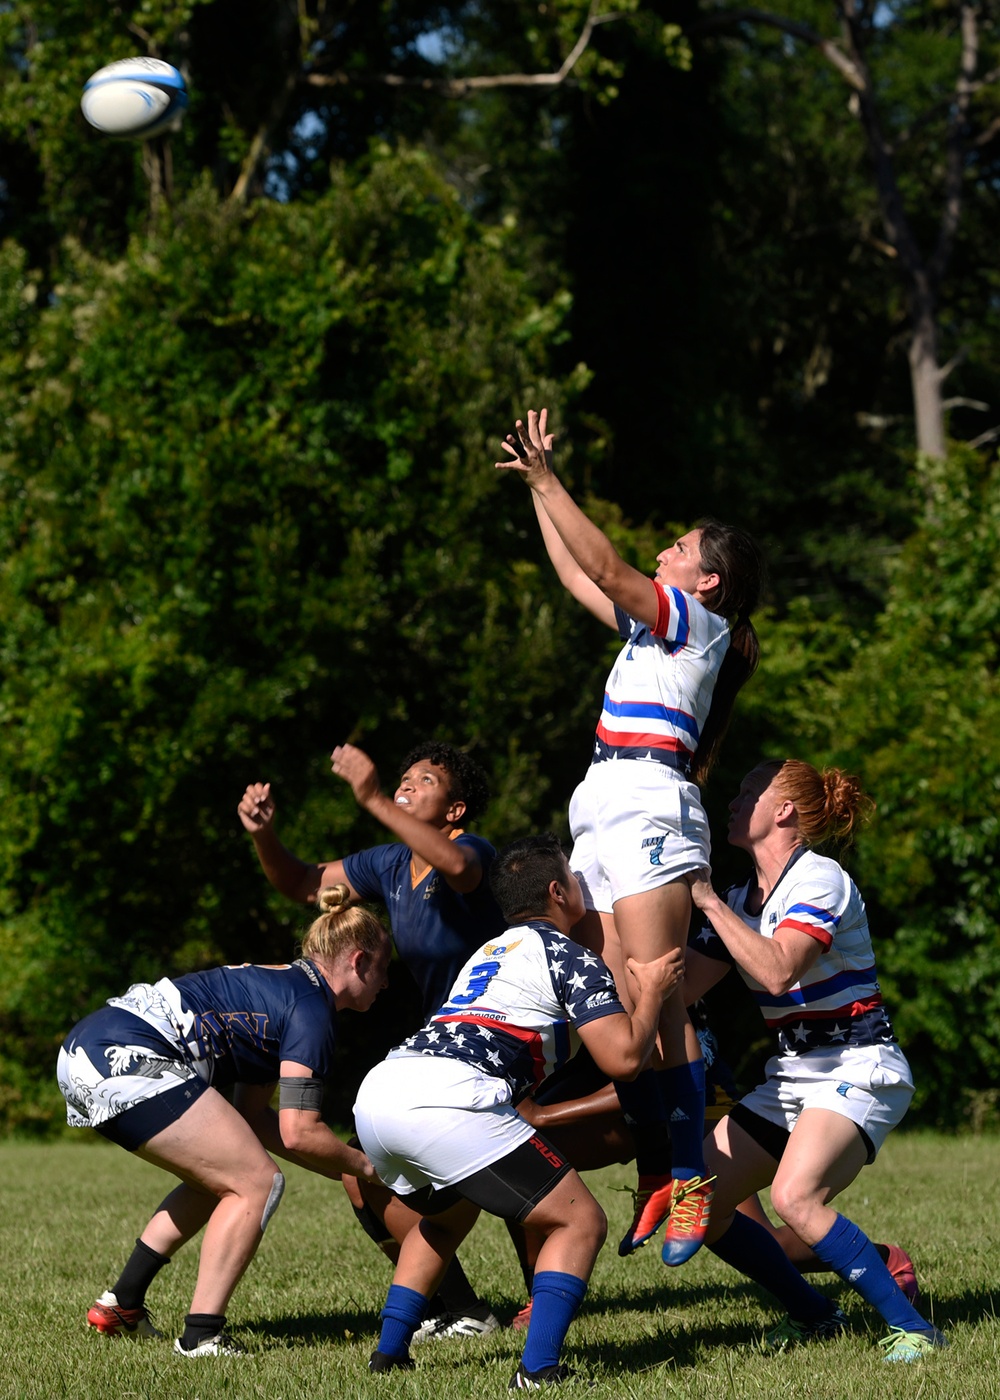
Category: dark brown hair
[736,557]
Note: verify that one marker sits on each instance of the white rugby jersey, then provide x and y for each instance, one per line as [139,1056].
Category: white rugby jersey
[838,1000]
[660,688]
[513,1006]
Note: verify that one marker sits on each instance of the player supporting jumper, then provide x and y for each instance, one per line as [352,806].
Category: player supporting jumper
[438,1121]
[434,883]
[637,820]
[146,1069]
[798,933]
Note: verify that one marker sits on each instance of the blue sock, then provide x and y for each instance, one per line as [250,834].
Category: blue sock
[748,1247]
[645,1112]
[402,1315]
[555,1299]
[850,1253]
[684,1092]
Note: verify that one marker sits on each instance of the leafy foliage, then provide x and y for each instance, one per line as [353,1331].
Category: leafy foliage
[917,715]
[246,511]
[249,381]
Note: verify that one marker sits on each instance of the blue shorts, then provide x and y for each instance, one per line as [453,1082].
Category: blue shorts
[120,1076]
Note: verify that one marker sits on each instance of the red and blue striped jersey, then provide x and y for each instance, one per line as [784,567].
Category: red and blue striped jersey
[660,688]
[838,1000]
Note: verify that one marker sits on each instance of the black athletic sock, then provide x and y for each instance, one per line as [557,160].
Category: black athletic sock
[142,1267]
[646,1114]
[458,1295]
[198,1327]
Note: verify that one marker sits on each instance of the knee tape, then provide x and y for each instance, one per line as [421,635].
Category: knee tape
[273,1200]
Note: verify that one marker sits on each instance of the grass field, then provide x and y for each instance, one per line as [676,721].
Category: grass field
[308,1306]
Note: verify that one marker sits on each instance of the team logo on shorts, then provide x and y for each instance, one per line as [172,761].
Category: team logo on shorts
[654,844]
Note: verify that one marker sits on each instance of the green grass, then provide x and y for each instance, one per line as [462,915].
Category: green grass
[308,1306]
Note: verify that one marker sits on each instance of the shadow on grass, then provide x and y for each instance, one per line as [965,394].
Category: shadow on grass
[673,1340]
[319,1328]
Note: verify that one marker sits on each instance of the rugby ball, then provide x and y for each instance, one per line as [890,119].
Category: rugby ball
[135,97]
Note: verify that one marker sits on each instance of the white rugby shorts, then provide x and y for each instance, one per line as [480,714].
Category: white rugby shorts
[635,826]
[870,1084]
[431,1120]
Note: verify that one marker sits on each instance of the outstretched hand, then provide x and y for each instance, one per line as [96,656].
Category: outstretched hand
[529,448]
[256,809]
[355,767]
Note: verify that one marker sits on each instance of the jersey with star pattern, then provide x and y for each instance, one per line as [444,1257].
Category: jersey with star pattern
[838,1000]
[514,1004]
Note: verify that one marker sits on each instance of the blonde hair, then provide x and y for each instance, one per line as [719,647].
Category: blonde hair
[829,805]
[342,927]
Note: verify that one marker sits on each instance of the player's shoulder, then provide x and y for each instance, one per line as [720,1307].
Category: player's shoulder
[485,850]
[701,626]
[818,876]
[385,856]
[534,939]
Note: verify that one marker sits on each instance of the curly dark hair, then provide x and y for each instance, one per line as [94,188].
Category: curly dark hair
[466,780]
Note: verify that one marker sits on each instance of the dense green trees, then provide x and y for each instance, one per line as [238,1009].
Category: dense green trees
[249,381]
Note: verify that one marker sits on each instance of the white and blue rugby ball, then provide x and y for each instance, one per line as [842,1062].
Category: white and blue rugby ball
[135,97]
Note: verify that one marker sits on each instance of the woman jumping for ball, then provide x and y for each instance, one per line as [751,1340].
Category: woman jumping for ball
[637,820]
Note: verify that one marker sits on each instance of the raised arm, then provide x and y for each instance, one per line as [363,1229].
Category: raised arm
[570,575]
[621,1044]
[530,453]
[457,863]
[288,874]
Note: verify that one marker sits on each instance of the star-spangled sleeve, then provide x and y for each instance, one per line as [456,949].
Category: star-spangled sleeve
[581,981]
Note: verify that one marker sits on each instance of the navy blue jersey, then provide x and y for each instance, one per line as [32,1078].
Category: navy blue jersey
[239,1023]
[433,927]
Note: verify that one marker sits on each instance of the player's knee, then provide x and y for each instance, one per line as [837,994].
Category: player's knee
[590,1220]
[790,1202]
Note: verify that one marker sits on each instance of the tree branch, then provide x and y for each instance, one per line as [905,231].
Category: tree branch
[990,435]
[459,87]
[844,65]
[261,143]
